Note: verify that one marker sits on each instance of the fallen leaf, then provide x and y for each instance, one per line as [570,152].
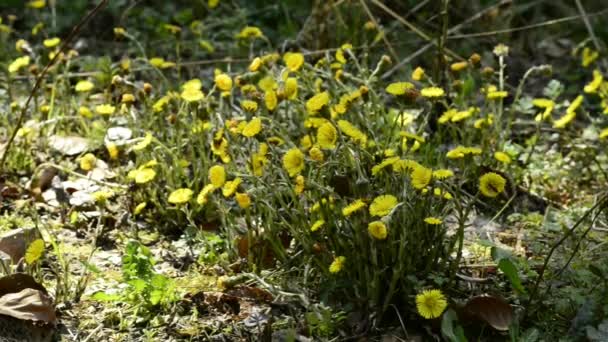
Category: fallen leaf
[493,310]
[17,282]
[69,145]
[28,304]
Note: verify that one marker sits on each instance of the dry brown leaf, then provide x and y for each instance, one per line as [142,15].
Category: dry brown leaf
[493,310]
[28,304]
[17,282]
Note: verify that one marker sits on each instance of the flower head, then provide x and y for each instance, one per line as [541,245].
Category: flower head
[293,60]
[433,220]
[502,157]
[317,225]
[327,135]
[217,176]
[382,205]
[432,92]
[378,230]
[83,86]
[318,101]
[421,176]
[399,88]
[180,196]
[337,265]
[249,105]
[252,128]
[105,109]
[293,161]
[353,207]
[223,82]
[88,161]
[492,184]
[431,303]
[243,200]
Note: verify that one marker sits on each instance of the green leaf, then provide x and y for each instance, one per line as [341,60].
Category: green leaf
[156,296]
[105,297]
[509,269]
[448,330]
[34,251]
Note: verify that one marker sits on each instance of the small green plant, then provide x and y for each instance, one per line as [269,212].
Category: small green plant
[147,290]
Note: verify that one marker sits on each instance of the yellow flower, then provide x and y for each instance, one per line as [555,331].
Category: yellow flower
[250,32]
[564,120]
[293,161]
[105,109]
[491,184]
[147,140]
[88,161]
[102,196]
[589,56]
[461,152]
[316,154]
[318,101]
[243,200]
[144,176]
[543,103]
[112,150]
[377,229]
[459,66]
[293,60]
[213,3]
[575,104]
[18,64]
[604,133]
[337,265]
[431,303]
[255,64]
[230,187]
[399,88]
[433,220]
[201,199]
[318,224]
[270,99]
[298,188]
[417,74]
[36,4]
[180,196]
[432,92]
[252,128]
[351,131]
[217,175]
[291,88]
[250,106]
[382,205]
[353,207]
[443,174]
[593,86]
[421,176]
[85,112]
[51,42]
[495,95]
[267,83]
[127,98]
[139,208]
[306,142]
[83,86]
[502,157]
[327,135]
[191,94]
[386,162]
[223,82]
